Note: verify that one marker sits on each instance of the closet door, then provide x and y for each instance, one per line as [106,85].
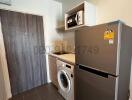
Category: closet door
[24,43]
[3,66]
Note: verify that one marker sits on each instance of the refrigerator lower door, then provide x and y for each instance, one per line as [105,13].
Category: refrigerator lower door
[94,85]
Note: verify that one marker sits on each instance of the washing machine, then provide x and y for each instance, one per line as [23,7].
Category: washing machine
[65,77]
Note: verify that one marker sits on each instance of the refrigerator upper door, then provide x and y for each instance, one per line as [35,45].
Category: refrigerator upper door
[96,49]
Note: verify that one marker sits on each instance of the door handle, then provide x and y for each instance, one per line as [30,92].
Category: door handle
[99,73]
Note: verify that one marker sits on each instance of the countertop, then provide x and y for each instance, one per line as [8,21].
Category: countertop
[69,58]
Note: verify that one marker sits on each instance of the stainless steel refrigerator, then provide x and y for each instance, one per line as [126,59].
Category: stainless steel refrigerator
[103,62]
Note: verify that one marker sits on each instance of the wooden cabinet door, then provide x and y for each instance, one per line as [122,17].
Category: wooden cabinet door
[53,70]
[24,43]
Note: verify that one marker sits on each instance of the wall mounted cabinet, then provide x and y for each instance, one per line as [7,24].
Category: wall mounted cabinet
[88,11]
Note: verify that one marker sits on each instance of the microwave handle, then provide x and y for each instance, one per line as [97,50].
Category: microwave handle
[76,18]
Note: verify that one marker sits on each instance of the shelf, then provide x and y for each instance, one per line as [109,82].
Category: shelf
[75,28]
[61,28]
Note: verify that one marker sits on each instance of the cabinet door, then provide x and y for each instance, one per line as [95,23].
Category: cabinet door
[24,39]
[53,70]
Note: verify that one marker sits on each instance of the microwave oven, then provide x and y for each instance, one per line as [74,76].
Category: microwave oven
[75,19]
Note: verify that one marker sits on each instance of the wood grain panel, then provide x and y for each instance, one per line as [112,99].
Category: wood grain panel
[3,94]
[53,70]
[24,37]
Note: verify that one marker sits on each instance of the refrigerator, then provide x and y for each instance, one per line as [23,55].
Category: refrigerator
[103,62]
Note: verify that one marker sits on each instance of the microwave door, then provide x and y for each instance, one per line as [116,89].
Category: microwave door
[72,20]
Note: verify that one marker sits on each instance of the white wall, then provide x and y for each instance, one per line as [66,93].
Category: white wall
[109,10]
[50,10]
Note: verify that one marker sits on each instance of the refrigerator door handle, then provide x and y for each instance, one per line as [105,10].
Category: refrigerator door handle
[97,72]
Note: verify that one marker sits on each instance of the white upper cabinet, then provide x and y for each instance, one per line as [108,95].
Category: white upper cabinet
[82,15]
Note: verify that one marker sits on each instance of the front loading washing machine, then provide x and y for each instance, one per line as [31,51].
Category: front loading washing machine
[65,79]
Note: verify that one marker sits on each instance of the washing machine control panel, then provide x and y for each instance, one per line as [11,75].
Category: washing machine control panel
[66,65]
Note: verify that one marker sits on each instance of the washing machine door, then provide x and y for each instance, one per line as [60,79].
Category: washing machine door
[64,81]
